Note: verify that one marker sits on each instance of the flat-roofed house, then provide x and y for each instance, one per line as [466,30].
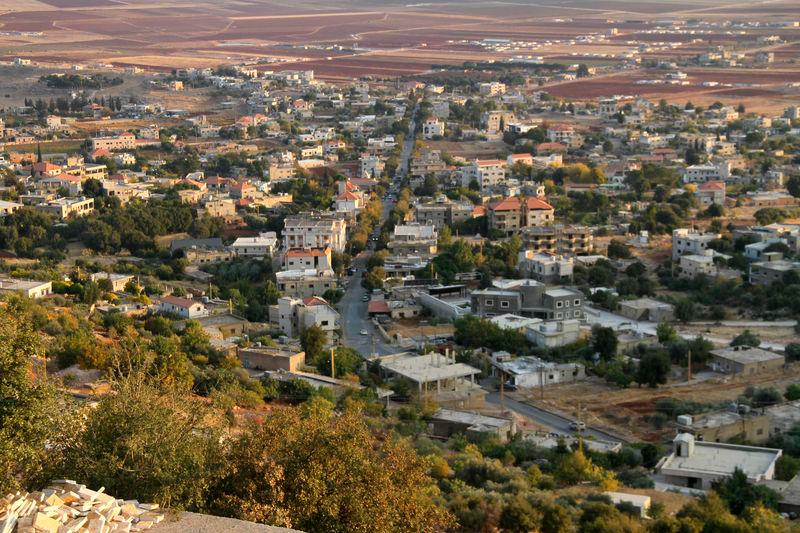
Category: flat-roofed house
[27,287]
[698,465]
[745,360]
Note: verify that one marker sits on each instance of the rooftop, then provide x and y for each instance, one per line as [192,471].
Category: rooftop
[719,459]
[745,356]
[426,368]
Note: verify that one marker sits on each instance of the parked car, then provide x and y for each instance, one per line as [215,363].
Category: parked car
[577,425]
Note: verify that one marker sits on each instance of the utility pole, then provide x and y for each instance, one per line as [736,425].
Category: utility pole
[541,381]
[333,365]
[502,390]
[689,366]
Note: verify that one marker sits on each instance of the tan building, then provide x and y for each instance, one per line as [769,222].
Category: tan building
[30,288]
[271,359]
[511,214]
[725,426]
[124,141]
[745,360]
[64,208]
[559,239]
[314,230]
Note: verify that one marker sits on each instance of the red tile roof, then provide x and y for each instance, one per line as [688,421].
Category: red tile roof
[378,306]
[712,186]
[305,252]
[314,300]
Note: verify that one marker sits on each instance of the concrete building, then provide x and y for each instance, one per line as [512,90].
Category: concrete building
[124,141]
[445,423]
[693,265]
[304,283]
[745,360]
[437,377]
[527,298]
[26,287]
[559,239]
[183,307]
[315,230]
[647,309]
[314,258]
[443,212]
[770,271]
[295,315]
[431,128]
[492,88]
[414,239]
[271,359]
[689,241]
[545,267]
[487,173]
[554,333]
[512,214]
[497,120]
[8,208]
[698,465]
[64,208]
[530,372]
[224,208]
[262,246]
[116,282]
[711,192]
[724,426]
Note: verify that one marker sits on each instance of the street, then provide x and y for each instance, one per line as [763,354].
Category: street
[352,307]
[553,422]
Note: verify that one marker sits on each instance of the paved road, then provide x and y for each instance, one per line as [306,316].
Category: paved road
[352,307]
[552,421]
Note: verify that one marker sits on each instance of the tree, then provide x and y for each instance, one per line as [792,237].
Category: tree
[792,351]
[271,293]
[30,409]
[741,495]
[654,367]
[347,361]
[618,250]
[666,333]
[147,443]
[685,310]
[313,340]
[746,338]
[793,186]
[769,215]
[604,341]
[312,470]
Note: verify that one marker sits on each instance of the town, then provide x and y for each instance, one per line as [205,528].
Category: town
[486,302]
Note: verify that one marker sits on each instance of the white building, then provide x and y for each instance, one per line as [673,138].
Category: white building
[26,287]
[545,267]
[487,172]
[689,241]
[183,307]
[262,246]
[697,464]
[528,371]
[314,230]
[295,315]
[431,128]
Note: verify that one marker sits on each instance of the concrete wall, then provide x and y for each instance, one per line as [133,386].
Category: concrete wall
[440,308]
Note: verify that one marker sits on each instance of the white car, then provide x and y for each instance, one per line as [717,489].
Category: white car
[364,332]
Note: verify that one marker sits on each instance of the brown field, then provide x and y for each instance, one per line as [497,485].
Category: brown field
[391,39]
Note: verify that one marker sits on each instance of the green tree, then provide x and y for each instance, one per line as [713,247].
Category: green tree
[654,367]
[618,250]
[746,338]
[793,186]
[313,340]
[604,341]
[792,392]
[347,361]
[31,412]
[739,494]
[309,469]
[666,333]
[685,310]
[146,443]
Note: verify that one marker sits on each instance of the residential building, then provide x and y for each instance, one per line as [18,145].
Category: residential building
[745,360]
[545,267]
[312,258]
[414,239]
[770,271]
[559,239]
[432,127]
[527,298]
[26,287]
[726,425]
[445,423]
[689,241]
[315,230]
[647,309]
[495,121]
[529,371]
[64,208]
[183,307]
[116,282]
[487,173]
[443,212]
[711,192]
[512,214]
[492,88]
[295,315]
[271,359]
[124,141]
[697,465]
[224,208]
[7,208]
[428,162]
[306,282]
[262,246]
[693,265]
[554,333]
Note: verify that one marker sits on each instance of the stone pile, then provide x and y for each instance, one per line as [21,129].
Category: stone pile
[68,507]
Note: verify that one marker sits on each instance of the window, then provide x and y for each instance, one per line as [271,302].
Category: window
[566,303]
[559,315]
[324,323]
[559,304]
[576,314]
[489,303]
[577,303]
[568,314]
[504,304]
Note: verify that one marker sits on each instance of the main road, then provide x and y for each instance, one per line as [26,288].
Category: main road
[352,307]
[552,421]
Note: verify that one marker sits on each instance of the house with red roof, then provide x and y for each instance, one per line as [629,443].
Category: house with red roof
[183,307]
[300,258]
[711,192]
[294,315]
[242,189]
[509,215]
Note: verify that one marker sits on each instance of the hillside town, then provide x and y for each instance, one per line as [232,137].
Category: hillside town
[595,298]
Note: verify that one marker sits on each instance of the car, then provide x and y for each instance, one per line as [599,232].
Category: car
[364,332]
[365,298]
[508,385]
[577,425]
